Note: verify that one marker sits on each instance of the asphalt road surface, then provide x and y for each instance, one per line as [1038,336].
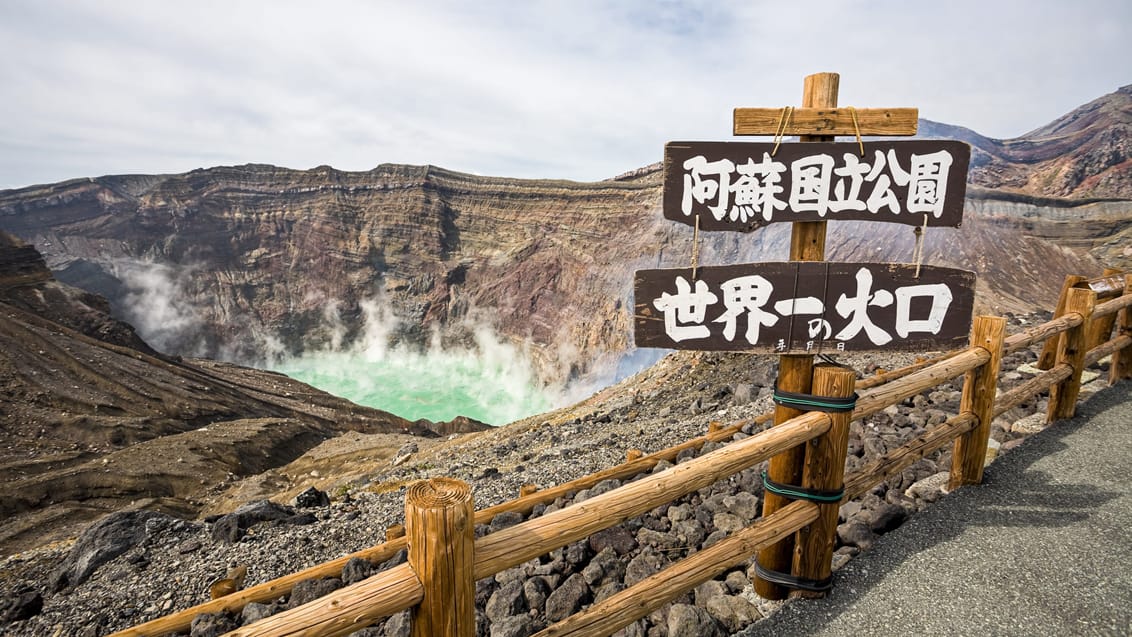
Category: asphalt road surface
[1042,547]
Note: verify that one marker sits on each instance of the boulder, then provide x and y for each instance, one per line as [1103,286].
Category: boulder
[732,611]
[507,600]
[22,604]
[232,527]
[636,629]
[708,590]
[536,590]
[742,394]
[689,532]
[103,541]
[254,611]
[930,488]
[567,598]
[505,519]
[604,567]
[745,506]
[617,538]
[643,565]
[398,625]
[855,533]
[211,625]
[608,590]
[685,620]
[885,517]
[657,539]
[517,626]
[356,570]
[311,498]
[309,590]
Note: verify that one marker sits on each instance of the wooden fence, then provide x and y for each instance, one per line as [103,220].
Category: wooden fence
[438,581]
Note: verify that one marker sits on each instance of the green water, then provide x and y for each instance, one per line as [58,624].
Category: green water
[435,385]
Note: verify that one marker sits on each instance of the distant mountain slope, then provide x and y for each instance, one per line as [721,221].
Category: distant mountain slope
[1085,154]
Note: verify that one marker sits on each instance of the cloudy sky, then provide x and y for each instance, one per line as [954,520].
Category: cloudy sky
[575,89]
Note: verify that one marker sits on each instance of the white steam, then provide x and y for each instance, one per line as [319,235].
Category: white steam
[158,307]
[463,369]
[466,370]
[161,303]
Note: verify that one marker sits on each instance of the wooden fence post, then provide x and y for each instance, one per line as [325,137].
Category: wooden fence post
[1121,366]
[439,522]
[1049,349]
[979,387]
[1071,349]
[795,372]
[1100,330]
[824,470]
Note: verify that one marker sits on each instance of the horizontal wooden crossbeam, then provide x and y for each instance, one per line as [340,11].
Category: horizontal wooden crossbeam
[826,121]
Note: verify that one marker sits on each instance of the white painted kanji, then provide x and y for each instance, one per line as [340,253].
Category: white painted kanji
[928,187]
[699,188]
[741,191]
[757,189]
[809,184]
[742,306]
[940,296]
[856,309]
[684,311]
[746,295]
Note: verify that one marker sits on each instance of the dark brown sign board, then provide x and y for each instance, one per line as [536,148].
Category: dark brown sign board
[741,186]
[804,307]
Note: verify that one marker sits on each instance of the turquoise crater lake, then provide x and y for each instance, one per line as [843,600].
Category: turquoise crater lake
[437,385]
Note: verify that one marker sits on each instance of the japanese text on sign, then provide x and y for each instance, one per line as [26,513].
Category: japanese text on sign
[803,306]
[741,186]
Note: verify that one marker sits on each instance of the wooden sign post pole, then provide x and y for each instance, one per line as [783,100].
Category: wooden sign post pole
[795,373]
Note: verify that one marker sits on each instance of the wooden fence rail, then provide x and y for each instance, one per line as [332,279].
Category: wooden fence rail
[1081,334]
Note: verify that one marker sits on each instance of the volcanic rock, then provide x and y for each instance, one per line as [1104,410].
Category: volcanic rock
[112,536]
[311,498]
[567,598]
[692,621]
[23,603]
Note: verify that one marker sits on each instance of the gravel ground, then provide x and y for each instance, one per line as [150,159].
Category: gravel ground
[174,562]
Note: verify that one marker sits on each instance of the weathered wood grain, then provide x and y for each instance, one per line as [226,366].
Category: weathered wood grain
[824,470]
[1071,349]
[969,454]
[439,522]
[826,121]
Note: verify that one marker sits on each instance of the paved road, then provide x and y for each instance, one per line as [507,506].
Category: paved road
[1043,547]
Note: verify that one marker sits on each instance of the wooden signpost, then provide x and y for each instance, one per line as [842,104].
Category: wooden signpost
[744,186]
[797,309]
[804,307]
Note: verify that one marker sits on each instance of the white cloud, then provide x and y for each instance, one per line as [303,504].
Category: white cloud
[581,90]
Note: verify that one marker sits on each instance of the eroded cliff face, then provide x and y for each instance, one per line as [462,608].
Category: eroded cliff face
[94,420]
[249,262]
[253,253]
[253,262]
